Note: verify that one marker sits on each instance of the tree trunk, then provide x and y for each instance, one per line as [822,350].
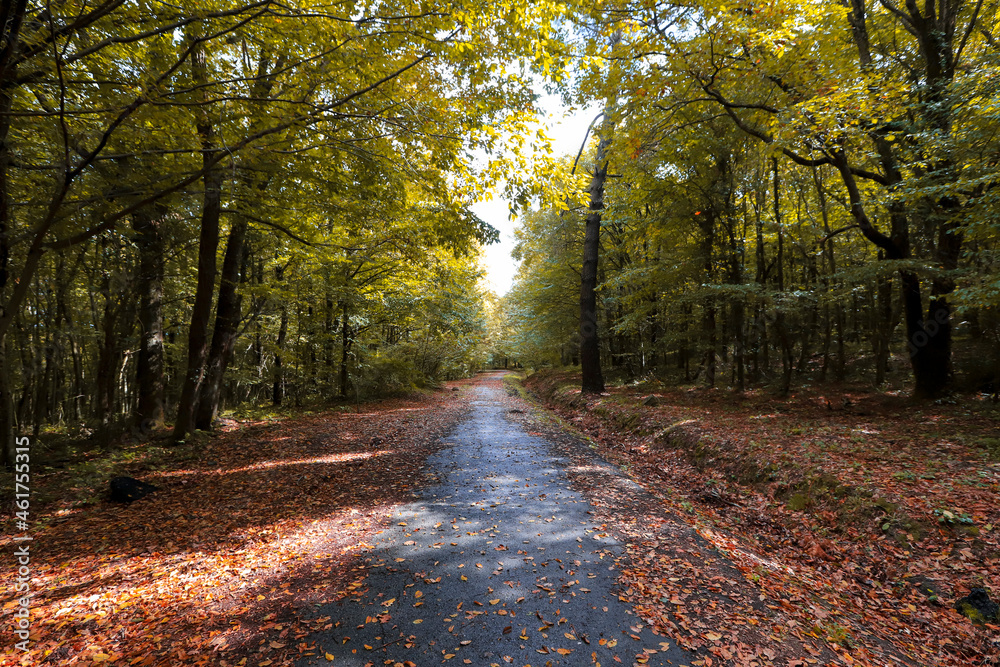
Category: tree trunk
[111,350]
[739,353]
[706,223]
[590,349]
[278,387]
[780,326]
[882,326]
[329,338]
[208,245]
[228,312]
[709,337]
[6,408]
[150,379]
[345,353]
[10,32]
[938,375]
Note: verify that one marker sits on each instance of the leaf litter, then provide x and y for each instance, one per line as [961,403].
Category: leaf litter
[845,534]
[225,563]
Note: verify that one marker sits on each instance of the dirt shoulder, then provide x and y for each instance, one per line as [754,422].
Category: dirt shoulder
[857,520]
[222,563]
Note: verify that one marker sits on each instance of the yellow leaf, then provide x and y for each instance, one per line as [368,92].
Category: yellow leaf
[329,657]
[713,636]
[564,651]
[418,621]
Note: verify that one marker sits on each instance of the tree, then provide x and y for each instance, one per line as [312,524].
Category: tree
[214,116]
[786,77]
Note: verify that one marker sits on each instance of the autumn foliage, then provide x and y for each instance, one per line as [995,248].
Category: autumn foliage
[856,528]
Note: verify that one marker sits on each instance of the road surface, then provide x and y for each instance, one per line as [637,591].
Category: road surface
[499,564]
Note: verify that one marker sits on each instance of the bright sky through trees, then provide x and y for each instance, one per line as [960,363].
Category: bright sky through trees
[566,128]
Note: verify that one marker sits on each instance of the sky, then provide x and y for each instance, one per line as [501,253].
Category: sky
[566,129]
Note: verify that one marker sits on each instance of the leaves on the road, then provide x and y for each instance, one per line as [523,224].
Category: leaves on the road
[227,557]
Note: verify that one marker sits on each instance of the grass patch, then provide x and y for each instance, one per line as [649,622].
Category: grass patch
[79,475]
[513,384]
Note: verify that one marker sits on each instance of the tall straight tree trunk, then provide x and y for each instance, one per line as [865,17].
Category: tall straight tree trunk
[811,326]
[8,45]
[937,374]
[72,387]
[345,353]
[6,406]
[329,337]
[706,223]
[883,324]
[150,380]
[781,327]
[590,348]
[52,381]
[278,383]
[278,386]
[828,269]
[208,246]
[710,338]
[228,310]
[112,348]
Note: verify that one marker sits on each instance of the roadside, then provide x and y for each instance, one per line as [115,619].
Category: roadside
[245,535]
[679,583]
[745,532]
[855,523]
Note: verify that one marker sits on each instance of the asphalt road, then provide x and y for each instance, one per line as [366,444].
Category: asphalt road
[499,564]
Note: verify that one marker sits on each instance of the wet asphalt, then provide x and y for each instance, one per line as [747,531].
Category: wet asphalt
[499,564]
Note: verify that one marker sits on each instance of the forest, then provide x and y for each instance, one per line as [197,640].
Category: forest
[779,191]
[743,388]
[234,203]
[239,203]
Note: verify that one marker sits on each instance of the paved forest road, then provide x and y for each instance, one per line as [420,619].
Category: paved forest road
[499,564]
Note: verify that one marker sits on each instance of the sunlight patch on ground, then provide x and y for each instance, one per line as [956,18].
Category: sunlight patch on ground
[263,465]
[192,582]
[382,412]
[733,549]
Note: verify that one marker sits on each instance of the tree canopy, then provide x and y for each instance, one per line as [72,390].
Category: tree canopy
[209,204]
[805,179]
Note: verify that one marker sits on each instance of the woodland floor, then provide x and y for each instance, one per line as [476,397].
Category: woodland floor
[844,513]
[244,536]
[858,518]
